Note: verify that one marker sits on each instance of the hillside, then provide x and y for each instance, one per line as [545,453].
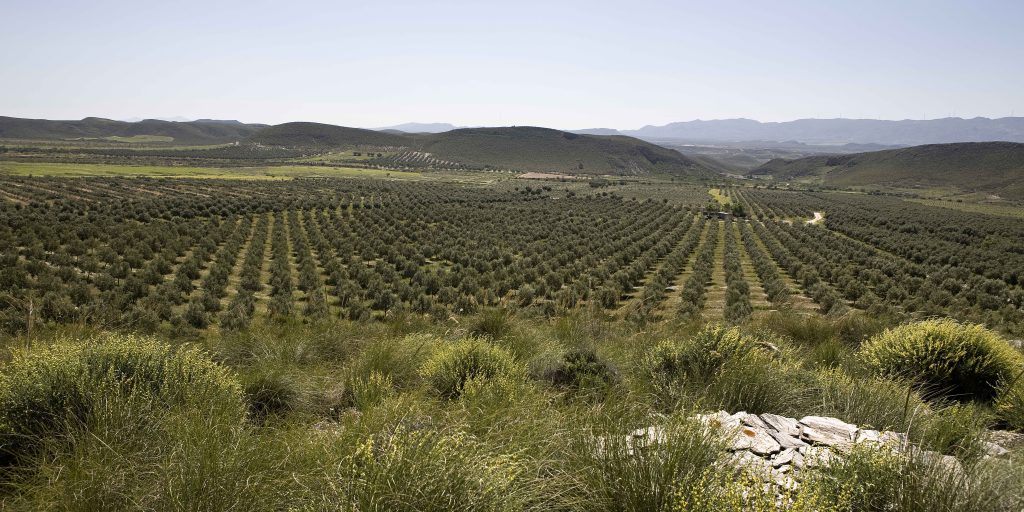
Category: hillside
[204,131]
[318,135]
[543,149]
[988,167]
[908,132]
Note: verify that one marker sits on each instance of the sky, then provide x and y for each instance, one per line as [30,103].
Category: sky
[566,64]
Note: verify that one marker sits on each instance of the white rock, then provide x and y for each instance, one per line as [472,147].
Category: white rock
[947,462]
[784,457]
[827,431]
[719,420]
[788,426]
[752,420]
[756,440]
[786,441]
[644,437]
[993,449]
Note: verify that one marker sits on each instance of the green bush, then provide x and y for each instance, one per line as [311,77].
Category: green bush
[581,368]
[455,364]
[698,357]
[945,358]
[46,393]
[878,479]
[493,323]
[1010,404]
[723,368]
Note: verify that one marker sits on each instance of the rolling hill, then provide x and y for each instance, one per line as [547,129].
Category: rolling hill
[206,131]
[541,149]
[318,135]
[515,148]
[973,167]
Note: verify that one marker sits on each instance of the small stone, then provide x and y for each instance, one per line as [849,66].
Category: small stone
[784,457]
[743,459]
[788,426]
[1007,439]
[827,431]
[993,449]
[868,436]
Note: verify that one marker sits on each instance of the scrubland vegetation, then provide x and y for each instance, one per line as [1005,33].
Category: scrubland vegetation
[493,412]
[363,344]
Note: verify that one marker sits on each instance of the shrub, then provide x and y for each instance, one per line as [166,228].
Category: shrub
[451,366]
[945,358]
[491,323]
[723,368]
[878,479]
[45,393]
[581,368]
[699,356]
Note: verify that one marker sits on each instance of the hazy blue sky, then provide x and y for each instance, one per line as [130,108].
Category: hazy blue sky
[562,64]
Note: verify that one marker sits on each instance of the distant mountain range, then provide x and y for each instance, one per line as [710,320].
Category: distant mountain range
[833,132]
[419,128]
[842,131]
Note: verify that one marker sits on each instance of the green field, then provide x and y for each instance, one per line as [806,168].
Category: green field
[984,208]
[281,172]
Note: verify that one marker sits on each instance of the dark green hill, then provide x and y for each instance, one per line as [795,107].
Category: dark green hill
[317,135]
[544,150]
[150,130]
[987,167]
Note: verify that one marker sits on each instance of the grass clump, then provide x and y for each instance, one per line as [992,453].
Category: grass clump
[48,393]
[1010,404]
[622,472]
[723,368]
[945,359]
[270,394]
[453,365]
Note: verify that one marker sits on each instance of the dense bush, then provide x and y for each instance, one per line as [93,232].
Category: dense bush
[581,368]
[454,364]
[945,358]
[47,392]
[723,368]
[698,357]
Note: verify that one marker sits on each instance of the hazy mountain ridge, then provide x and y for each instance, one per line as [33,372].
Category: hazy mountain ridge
[843,131]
